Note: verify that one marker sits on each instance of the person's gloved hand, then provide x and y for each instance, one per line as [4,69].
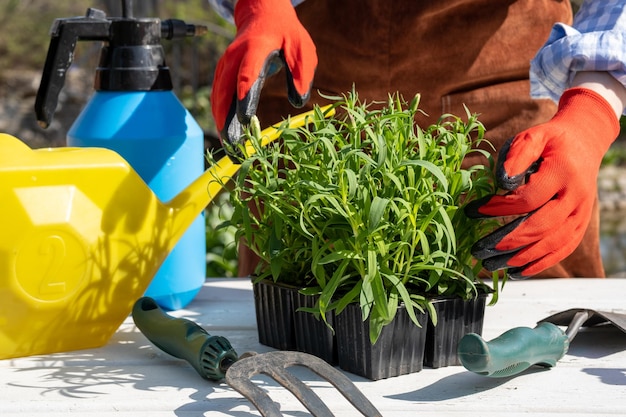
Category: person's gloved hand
[269,35]
[550,171]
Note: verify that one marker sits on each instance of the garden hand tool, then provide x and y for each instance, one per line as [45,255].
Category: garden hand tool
[522,347]
[269,35]
[550,171]
[214,358]
[81,236]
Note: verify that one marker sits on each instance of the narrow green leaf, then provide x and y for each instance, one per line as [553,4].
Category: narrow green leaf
[377,211]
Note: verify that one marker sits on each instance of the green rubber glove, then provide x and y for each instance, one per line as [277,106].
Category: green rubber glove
[269,36]
[550,172]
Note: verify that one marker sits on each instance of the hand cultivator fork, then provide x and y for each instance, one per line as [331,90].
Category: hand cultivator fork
[214,358]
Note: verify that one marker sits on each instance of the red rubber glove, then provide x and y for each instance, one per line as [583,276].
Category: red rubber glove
[269,35]
[551,172]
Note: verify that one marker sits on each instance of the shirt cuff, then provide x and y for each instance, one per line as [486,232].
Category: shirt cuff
[595,42]
[568,52]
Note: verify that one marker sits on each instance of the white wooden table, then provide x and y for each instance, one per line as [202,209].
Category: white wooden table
[130,377]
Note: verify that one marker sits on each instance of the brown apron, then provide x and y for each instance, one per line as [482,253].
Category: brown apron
[453,52]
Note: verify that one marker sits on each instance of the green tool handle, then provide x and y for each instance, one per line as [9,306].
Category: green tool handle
[514,351]
[211,356]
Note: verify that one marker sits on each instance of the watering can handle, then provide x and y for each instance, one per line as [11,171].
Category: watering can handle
[63,37]
[513,351]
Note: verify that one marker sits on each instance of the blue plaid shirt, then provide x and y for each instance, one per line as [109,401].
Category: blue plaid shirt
[596,41]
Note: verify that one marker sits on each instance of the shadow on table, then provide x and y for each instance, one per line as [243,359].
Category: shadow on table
[129,360]
[609,376]
[598,342]
[235,405]
[457,386]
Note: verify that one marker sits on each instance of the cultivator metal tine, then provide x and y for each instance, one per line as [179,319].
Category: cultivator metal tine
[275,364]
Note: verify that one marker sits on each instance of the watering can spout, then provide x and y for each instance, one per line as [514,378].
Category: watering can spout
[201,192]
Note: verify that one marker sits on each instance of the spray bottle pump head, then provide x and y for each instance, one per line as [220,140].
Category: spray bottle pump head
[132,57]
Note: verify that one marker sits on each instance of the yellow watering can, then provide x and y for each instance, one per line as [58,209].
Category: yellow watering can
[81,237]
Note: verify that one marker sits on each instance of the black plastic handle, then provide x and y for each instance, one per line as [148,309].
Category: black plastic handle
[64,34]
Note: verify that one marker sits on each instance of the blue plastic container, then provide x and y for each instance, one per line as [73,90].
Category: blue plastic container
[161,140]
[135,113]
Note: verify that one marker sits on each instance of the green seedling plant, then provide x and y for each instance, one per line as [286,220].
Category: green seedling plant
[367,207]
[221,257]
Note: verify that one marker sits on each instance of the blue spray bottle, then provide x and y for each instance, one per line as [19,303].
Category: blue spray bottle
[135,113]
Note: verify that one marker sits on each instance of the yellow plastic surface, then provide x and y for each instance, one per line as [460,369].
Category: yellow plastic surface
[81,237]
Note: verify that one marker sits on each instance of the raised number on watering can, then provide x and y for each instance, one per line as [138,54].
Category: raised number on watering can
[44,267]
[53,254]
